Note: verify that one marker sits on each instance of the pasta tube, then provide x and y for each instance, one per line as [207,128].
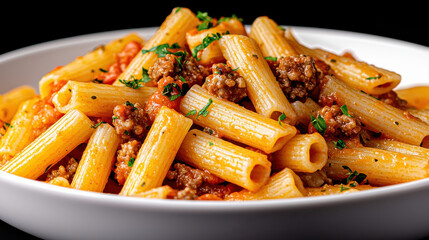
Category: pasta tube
[172,30]
[243,54]
[381,167]
[358,74]
[96,163]
[11,100]
[376,115]
[232,163]
[87,67]
[283,184]
[303,153]
[397,146]
[97,100]
[415,96]
[212,53]
[304,110]
[20,132]
[157,152]
[158,193]
[51,146]
[235,122]
[422,114]
[270,38]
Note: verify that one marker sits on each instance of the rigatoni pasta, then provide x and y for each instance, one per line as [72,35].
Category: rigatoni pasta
[205,110]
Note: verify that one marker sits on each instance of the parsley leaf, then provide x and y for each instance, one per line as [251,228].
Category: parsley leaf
[98,124]
[135,83]
[319,123]
[206,42]
[354,175]
[192,112]
[207,21]
[281,118]
[203,112]
[131,162]
[340,144]
[172,88]
[162,50]
[345,111]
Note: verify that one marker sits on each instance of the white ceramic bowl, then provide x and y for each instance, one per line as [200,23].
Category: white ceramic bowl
[51,212]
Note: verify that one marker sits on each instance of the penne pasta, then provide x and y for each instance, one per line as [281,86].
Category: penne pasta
[283,184]
[172,30]
[303,153]
[358,74]
[422,114]
[97,100]
[381,167]
[87,67]
[243,54]
[19,133]
[397,146]
[304,110]
[235,122]
[10,101]
[376,115]
[96,163]
[212,53]
[270,38]
[157,152]
[416,96]
[51,146]
[243,167]
[158,193]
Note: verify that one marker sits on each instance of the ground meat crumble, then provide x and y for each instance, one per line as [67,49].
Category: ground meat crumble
[225,83]
[130,121]
[195,184]
[297,76]
[124,160]
[169,66]
[66,172]
[337,123]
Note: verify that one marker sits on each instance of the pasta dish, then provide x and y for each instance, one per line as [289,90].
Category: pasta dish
[207,109]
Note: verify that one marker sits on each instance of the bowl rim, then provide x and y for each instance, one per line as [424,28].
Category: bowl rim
[207,206]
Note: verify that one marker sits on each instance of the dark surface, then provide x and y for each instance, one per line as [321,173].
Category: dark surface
[25,24]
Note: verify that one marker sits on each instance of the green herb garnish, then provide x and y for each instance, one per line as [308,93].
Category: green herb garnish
[319,123]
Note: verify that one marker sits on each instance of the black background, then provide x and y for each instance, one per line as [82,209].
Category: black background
[25,24]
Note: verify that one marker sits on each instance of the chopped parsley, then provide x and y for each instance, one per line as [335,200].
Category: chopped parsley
[345,111]
[354,175]
[162,50]
[271,58]
[173,90]
[343,188]
[103,70]
[130,104]
[281,118]
[93,97]
[203,112]
[373,78]
[207,21]
[192,112]
[114,118]
[210,143]
[131,162]
[340,144]
[233,16]
[319,123]
[5,124]
[135,83]
[98,124]
[206,42]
